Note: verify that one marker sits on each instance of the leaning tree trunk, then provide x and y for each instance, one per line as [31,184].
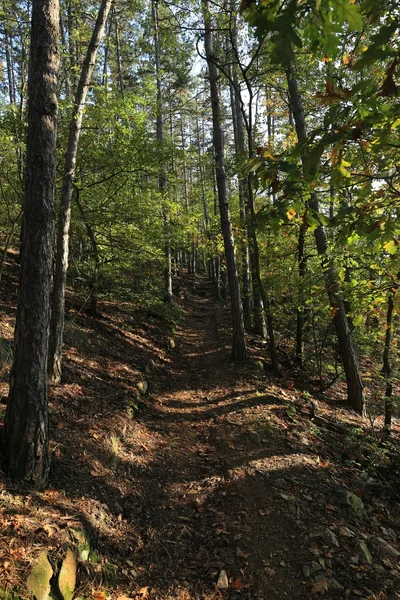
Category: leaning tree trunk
[64,218]
[239,349]
[355,388]
[26,423]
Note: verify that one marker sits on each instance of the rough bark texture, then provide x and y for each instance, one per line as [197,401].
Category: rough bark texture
[26,422]
[239,349]
[64,218]
[355,388]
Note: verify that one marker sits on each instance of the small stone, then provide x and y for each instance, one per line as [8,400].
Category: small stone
[315,568]
[335,586]
[255,437]
[142,386]
[364,552]
[223,582]
[354,560]
[171,344]
[280,483]
[306,571]
[355,504]
[329,563]
[379,542]
[331,537]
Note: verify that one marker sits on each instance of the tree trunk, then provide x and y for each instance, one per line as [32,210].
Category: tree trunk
[240,154]
[387,368]
[26,422]
[355,388]
[239,349]
[64,218]
[302,265]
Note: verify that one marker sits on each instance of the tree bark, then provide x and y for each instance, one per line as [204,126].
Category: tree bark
[26,423]
[239,348]
[64,218]
[387,368]
[355,388]
[162,179]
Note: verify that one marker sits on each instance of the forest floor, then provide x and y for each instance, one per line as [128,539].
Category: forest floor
[178,474]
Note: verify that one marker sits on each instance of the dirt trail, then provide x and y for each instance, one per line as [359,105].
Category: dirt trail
[220,486]
[210,507]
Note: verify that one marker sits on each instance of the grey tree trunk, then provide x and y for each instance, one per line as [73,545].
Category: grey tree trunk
[355,388]
[239,348]
[64,217]
[162,179]
[25,445]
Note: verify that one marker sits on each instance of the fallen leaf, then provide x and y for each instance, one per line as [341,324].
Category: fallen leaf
[223,582]
[99,596]
[320,586]
[242,553]
[237,584]
[144,591]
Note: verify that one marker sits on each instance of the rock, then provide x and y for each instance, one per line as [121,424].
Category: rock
[38,582]
[67,576]
[83,542]
[364,552]
[346,532]
[280,483]
[306,571]
[315,568]
[382,544]
[171,344]
[354,560]
[223,582]
[255,437]
[331,538]
[258,364]
[355,504]
[335,586]
[142,386]
[149,367]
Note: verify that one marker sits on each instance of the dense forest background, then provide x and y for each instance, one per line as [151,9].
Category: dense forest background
[161,162]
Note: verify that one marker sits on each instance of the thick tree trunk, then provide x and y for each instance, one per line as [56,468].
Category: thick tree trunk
[355,388]
[26,422]
[64,218]
[239,349]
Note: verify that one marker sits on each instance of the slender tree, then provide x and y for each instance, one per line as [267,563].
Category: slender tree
[239,349]
[64,218]
[26,423]
[355,386]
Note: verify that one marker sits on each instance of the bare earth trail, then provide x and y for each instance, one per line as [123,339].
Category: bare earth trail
[210,504]
[219,487]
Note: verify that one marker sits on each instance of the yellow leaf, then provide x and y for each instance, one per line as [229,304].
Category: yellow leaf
[291,213]
[390,247]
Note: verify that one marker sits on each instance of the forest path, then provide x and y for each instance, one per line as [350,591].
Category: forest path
[210,503]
